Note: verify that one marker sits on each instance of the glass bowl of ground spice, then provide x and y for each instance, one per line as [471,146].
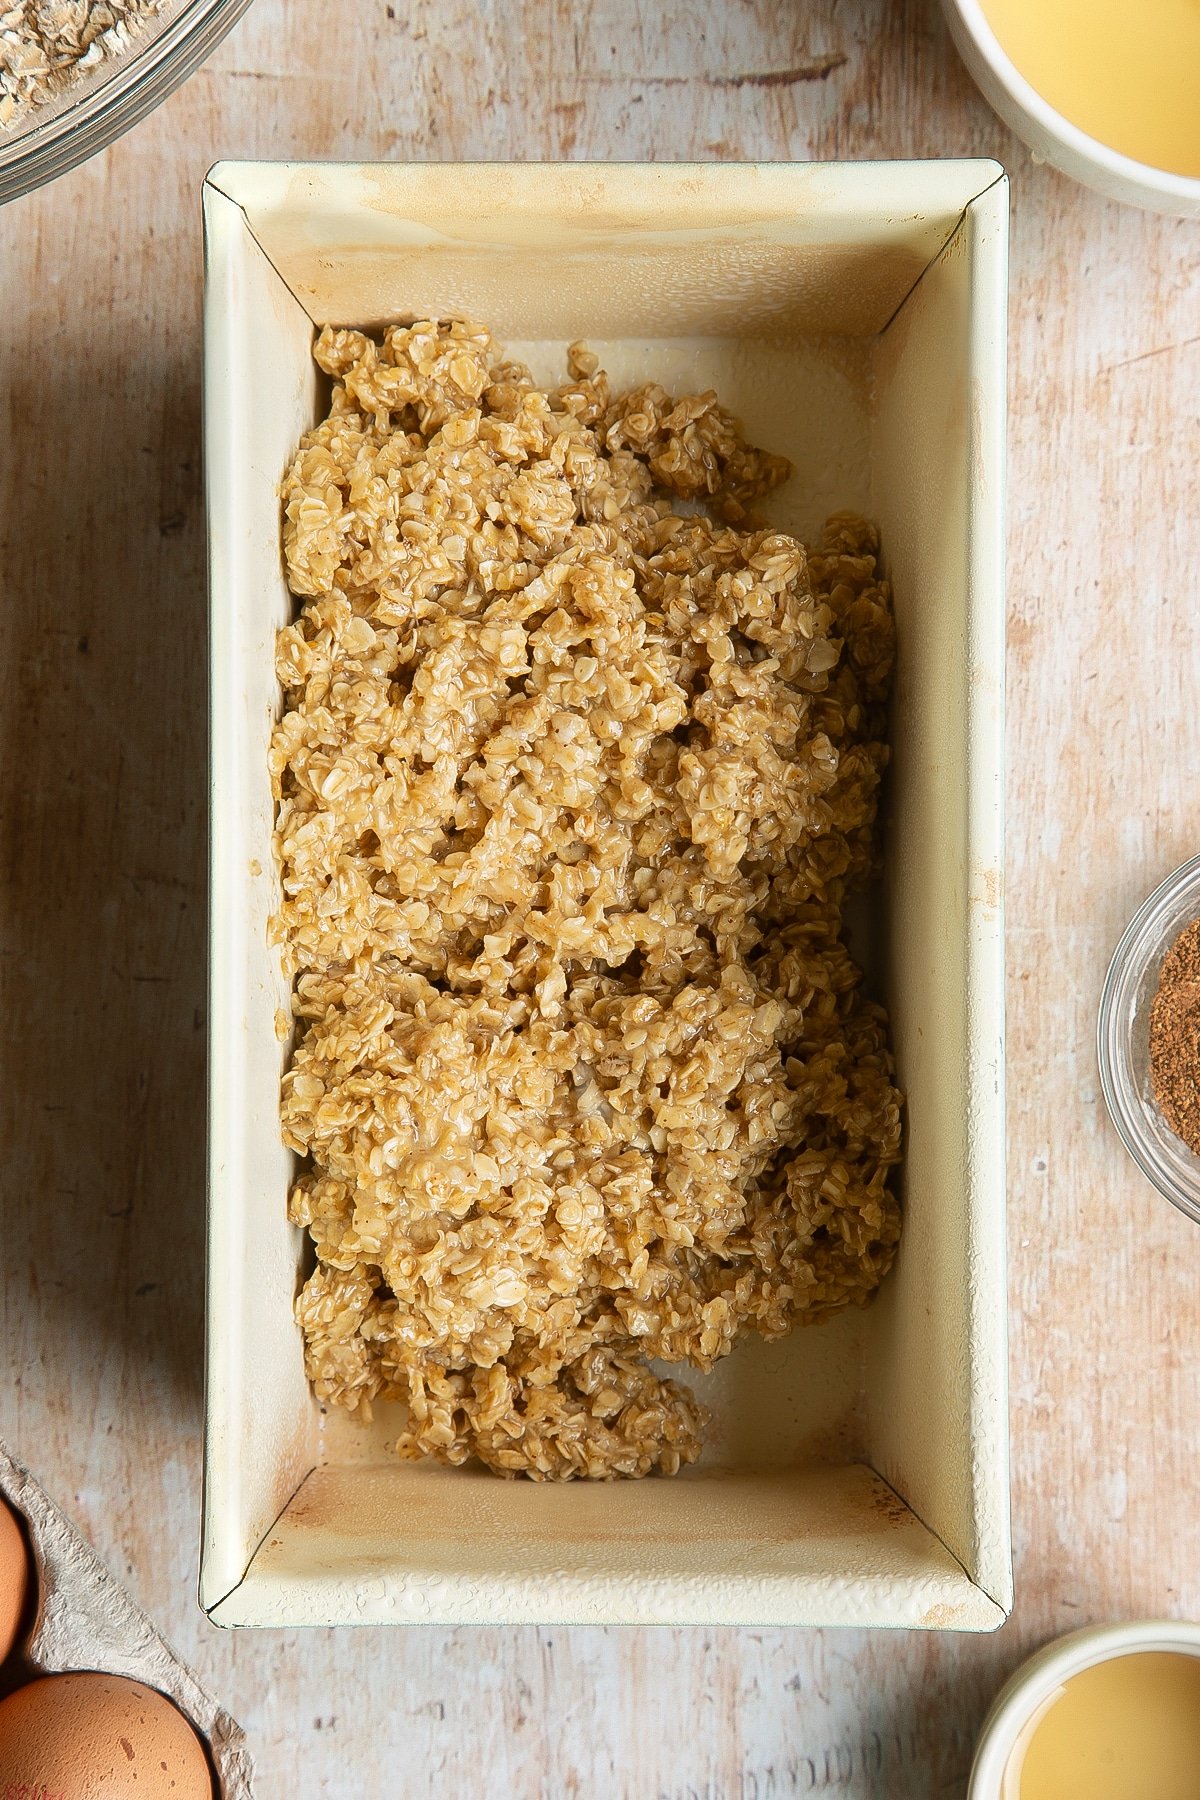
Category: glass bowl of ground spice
[75,74]
[1148,1038]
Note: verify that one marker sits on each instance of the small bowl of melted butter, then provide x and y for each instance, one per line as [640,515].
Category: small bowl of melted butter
[1105,90]
[1112,1713]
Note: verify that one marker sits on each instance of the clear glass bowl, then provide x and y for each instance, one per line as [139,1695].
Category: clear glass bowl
[1123,1038]
[107,100]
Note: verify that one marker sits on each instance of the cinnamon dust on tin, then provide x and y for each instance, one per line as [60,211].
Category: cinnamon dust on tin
[1175,1037]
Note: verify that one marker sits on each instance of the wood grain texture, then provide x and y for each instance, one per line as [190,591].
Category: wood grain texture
[102,829]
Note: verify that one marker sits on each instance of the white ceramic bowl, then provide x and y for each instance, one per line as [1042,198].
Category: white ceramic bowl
[1051,136]
[1036,1680]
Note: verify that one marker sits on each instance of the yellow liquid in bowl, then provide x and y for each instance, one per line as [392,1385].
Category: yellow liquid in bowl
[1128,1729]
[1125,71]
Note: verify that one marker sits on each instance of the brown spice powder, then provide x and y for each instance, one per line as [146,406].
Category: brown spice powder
[1175,1037]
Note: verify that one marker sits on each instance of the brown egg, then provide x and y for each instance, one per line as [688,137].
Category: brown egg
[14,1579]
[98,1737]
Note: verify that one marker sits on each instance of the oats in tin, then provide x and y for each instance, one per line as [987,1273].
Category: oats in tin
[571,787]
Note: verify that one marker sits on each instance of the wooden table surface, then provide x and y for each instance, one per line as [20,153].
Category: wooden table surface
[102,865]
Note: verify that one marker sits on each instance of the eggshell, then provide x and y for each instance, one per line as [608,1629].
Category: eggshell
[98,1737]
[14,1579]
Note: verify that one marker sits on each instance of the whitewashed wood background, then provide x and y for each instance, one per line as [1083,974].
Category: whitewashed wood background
[102,844]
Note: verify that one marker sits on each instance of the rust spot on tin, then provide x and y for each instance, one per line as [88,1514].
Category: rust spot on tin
[889,1506]
[943,1617]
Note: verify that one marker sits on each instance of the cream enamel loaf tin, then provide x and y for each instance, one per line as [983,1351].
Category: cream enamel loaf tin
[854,317]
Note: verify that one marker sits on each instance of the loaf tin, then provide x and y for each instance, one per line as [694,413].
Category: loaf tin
[854,317]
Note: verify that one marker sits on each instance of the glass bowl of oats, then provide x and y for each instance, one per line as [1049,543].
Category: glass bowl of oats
[76,74]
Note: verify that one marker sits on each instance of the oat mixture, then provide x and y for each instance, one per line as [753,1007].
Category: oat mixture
[571,788]
[46,45]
